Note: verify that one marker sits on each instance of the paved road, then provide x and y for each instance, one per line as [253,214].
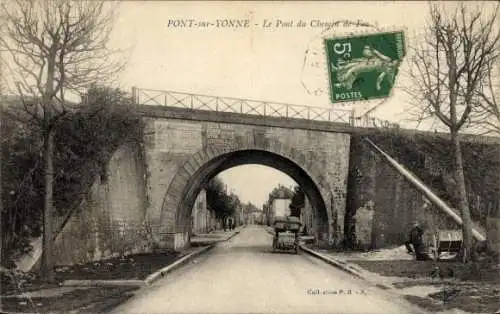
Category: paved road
[242,275]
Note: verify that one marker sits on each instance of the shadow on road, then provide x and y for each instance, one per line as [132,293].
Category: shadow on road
[265,249]
[248,248]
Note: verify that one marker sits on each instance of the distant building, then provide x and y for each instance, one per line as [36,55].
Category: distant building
[256,217]
[280,207]
[241,215]
[202,220]
[307,218]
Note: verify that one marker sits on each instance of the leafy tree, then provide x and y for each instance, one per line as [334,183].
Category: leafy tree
[249,208]
[298,201]
[84,141]
[234,204]
[223,204]
[447,70]
[21,183]
[55,47]
[215,196]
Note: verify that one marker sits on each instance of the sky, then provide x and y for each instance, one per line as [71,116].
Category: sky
[253,183]
[263,63]
[256,62]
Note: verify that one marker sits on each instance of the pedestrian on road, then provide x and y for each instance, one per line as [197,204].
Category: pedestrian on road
[415,238]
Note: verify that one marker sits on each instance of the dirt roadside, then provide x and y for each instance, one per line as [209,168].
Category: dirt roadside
[436,286]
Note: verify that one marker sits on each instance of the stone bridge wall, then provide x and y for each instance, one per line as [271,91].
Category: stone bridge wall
[394,203]
[110,220]
[177,149]
[140,205]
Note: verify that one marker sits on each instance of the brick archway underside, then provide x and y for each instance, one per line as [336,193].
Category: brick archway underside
[202,166]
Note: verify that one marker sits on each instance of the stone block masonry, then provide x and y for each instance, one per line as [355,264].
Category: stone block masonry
[146,199]
[111,219]
[318,158]
[377,190]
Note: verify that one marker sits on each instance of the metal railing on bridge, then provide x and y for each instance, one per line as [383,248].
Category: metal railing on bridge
[253,107]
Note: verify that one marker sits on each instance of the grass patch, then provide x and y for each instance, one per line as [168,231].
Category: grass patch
[483,271]
[132,267]
[136,266]
[478,298]
[68,301]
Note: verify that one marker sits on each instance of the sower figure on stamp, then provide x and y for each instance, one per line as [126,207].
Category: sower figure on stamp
[372,60]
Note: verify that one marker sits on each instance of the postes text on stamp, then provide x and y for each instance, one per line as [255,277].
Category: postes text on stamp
[363,67]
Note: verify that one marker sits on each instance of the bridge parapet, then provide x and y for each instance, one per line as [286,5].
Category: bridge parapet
[254,107]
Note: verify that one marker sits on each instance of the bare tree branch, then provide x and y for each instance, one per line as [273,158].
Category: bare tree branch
[56,46]
[64,39]
[489,93]
[448,70]
[448,74]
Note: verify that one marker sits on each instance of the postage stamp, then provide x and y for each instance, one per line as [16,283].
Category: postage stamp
[364,67]
[314,72]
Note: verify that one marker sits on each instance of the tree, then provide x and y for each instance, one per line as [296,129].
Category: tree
[55,47]
[298,202]
[85,140]
[223,204]
[19,168]
[234,203]
[490,94]
[447,70]
[249,208]
[215,196]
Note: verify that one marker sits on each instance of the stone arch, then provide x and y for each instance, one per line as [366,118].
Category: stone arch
[209,161]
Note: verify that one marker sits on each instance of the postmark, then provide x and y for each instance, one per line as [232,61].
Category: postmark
[363,67]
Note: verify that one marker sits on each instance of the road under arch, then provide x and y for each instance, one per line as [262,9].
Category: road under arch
[213,166]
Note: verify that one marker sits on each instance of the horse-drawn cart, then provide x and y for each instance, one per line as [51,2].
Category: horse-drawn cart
[286,234]
[445,244]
